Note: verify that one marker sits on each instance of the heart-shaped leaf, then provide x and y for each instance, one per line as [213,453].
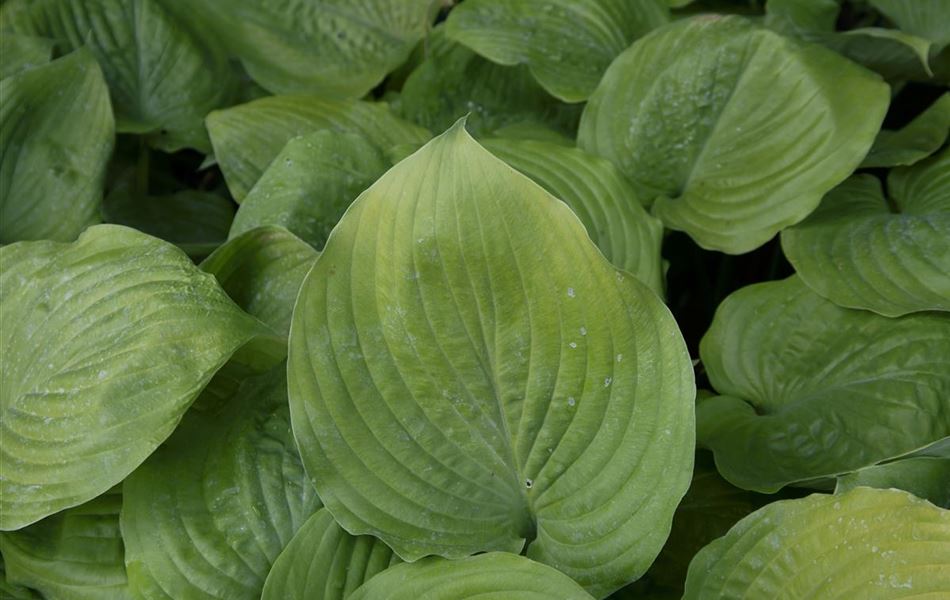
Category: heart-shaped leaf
[207,515]
[324,562]
[865,543]
[140,330]
[468,373]
[56,136]
[812,390]
[567,44]
[890,254]
[491,575]
[735,130]
[248,137]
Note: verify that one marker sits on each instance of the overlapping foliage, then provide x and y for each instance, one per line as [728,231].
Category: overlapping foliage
[383,299]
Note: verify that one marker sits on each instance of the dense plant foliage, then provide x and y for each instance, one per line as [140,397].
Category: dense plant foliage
[386,299]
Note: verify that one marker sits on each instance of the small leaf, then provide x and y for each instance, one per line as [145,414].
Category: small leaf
[567,44]
[75,554]
[811,390]
[454,356]
[491,575]
[311,183]
[890,255]
[162,77]
[248,137]
[866,543]
[209,512]
[915,141]
[925,477]
[324,562]
[139,332]
[599,195]
[262,270]
[22,53]
[56,136]
[737,131]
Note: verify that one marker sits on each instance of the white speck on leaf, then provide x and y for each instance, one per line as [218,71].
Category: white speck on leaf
[570,292]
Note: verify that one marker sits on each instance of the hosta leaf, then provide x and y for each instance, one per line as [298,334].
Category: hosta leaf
[23,52]
[262,270]
[331,48]
[925,18]
[812,390]
[138,332]
[324,562]
[866,543]
[915,141]
[454,356]
[600,196]
[794,17]
[56,135]
[890,255]
[12,591]
[309,185]
[491,575]
[248,137]
[735,130]
[454,82]
[162,76]
[894,54]
[195,221]
[567,44]
[74,554]
[207,515]
[924,476]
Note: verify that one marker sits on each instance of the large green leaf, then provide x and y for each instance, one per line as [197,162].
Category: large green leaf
[105,343]
[454,82]
[735,130]
[812,390]
[262,270]
[56,135]
[74,554]
[207,515]
[567,44]
[324,562]
[309,185]
[332,48]
[23,52]
[467,372]
[890,254]
[875,544]
[248,137]
[925,18]
[195,221]
[491,575]
[162,76]
[915,141]
[12,591]
[600,196]
[924,476]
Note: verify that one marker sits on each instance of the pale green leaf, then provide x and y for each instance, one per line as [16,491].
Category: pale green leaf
[925,477]
[324,562]
[56,136]
[567,44]
[23,52]
[866,543]
[811,390]
[74,554]
[262,270]
[105,343]
[915,141]
[162,76]
[490,576]
[454,82]
[310,183]
[891,254]
[736,131]
[332,48]
[929,19]
[248,137]
[209,512]
[599,195]
[468,373]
